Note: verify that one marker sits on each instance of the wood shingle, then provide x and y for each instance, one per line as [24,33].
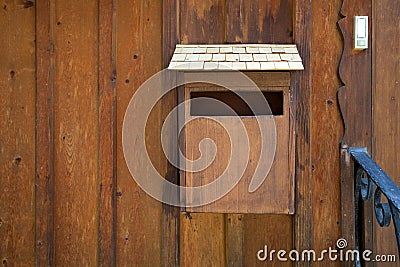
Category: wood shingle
[236,57]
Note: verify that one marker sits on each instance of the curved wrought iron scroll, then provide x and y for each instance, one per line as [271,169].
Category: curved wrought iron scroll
[369,174]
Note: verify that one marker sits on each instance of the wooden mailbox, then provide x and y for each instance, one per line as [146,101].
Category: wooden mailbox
[276,193]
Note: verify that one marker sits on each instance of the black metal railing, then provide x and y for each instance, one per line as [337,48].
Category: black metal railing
[369,177]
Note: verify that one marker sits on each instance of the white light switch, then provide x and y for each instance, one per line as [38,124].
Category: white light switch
[361,32]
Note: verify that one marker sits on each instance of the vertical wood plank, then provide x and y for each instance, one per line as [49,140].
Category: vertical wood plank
[386,105]
[171,219]
[354,98]
[107,137]
[273,231]
[17,133]
[138,56]
[44,255]
[202,21]
[348,204]
[355,72]
[265,21]
[171,18]
[234,239]
[202,239]
[258,22]
[301,84]
[327,127]
[76,133]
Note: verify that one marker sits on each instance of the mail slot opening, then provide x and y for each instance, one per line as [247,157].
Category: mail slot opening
[228,103]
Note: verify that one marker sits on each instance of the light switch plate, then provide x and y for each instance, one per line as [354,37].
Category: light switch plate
[360,32]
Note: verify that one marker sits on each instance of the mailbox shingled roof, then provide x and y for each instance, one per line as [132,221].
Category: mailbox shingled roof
[261,57]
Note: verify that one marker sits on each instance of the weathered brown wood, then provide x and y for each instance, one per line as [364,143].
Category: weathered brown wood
[202,21]
[302,86]
[355,105]
[17,134]
[44,246]
[346,165]
[138,56]
[107,133]
[170,220]
[327,127]
[202,239]
[85,142]
[386,104]
[44,230]
[234,239]
[348,206]
[273,231]
[274,195]
[266,21]
[263,79]
[170,29]
[76,133]
[355,72]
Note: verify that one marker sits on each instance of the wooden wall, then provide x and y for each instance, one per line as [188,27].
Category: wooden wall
[229,238]
[138,27]
[17,134]
[68,70]
[370,82]
[356,109]
[326,126]
[386,107]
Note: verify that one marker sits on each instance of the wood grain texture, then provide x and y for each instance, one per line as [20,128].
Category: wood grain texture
[195,34]
[138,56]
[76,133]
[171,16]
[44,230]
[93,42]
[301,84]
[348,204]
[355,72]
[234,239]
[258,21]
[202,239]
[107,133]
[202,22]
[170,220]
[273,231]
[170,241]
[17,134]
[327,128]
[386,105]
[275,195]
[354,98]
